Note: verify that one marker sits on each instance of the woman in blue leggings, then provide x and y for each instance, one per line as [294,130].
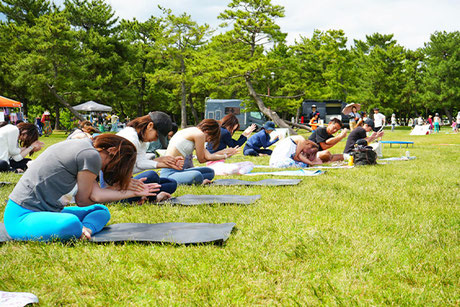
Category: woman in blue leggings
[35,210]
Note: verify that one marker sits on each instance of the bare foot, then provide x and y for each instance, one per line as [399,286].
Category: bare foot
[85,233]
[207,181]
[163,196]
[262,155]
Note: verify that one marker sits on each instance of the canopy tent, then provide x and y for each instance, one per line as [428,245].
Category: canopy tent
[9,103]
[92,106]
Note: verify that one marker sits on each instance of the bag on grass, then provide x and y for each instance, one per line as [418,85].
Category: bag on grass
[364,155]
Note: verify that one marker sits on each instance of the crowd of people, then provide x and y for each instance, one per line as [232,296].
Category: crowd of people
[95,168]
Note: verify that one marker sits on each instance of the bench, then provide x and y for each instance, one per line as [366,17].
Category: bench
[398,142]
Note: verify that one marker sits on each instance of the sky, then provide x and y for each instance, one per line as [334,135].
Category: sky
[411,21]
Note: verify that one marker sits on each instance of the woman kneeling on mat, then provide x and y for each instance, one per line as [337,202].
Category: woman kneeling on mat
[295,151]
[185,141]
[34,210]
[228,125]
[140,131]
[16,142]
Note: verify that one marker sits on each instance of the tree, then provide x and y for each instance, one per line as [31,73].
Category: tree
[442,77]
[253,26]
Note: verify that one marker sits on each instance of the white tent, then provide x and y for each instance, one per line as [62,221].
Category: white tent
[421,130]
[92,106]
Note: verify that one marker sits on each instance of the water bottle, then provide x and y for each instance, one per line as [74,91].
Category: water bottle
[407,154]
[351,161]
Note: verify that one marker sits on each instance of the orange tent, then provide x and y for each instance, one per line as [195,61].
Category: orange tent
[9,103]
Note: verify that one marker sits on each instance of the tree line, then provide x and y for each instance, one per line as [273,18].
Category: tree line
[56,57]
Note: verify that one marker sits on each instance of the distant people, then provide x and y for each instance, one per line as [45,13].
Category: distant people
[313,113]
[420,121]
[314,122]
[294,151]
[437,123]
[261,139]
[228,125]
[458,121]
[187,140]
[34,210]
[393,122]
[355,117]
[46,121]
[363,116]
[379,120]
[430,122]
[114,121]
[39,125]
[325,139]
[16,142]
[140,131]
[411,123]
[360,133]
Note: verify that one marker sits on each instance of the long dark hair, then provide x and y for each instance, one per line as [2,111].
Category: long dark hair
[229,122]
[120,167]
[28,134]
[212,128]
[140,124]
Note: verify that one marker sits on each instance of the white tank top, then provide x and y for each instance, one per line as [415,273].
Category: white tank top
[184,146]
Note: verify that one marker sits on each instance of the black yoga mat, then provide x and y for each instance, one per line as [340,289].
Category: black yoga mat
[178,233]
[265,182]
[4,183]
[193,200]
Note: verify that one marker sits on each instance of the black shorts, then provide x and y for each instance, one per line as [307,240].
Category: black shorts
[376,129]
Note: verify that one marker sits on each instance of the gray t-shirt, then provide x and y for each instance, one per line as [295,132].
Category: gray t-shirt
[54,173]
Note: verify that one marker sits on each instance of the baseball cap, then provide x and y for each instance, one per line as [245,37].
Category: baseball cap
[269,125]
[369,122]
[163,125]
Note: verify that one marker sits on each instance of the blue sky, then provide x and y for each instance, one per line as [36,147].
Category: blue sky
[411,21]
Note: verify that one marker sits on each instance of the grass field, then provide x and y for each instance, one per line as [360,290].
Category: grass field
[377,235]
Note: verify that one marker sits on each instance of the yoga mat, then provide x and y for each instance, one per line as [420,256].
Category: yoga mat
[2,183]
[333,167]
[193,200]
[178,233]
[14,299]
[403,158]
[299,172]
[265,182]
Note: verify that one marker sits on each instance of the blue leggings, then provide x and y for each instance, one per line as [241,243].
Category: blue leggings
[167,185]
[249,151]
[194,175]
[24,224]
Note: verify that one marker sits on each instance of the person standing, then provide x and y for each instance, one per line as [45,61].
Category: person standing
[354,118]
[393,122]
[379,120]
[46,121]
[437,123]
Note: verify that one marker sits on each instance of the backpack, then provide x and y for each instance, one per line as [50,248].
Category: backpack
[364,155]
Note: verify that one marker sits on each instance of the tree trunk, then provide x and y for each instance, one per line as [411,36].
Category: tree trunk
[194,112]
[446,110]
[61,100]
[57,111]
[260,104]
[183,105]
[140,106]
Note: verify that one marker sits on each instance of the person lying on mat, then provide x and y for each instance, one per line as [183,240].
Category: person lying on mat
[185,141]
[140,131]
[325,139]
[294,151]
[361,133]
[261,139]
[16,142]
[228,125]
[34,210]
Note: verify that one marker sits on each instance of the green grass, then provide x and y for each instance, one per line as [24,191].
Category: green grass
[377,235]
